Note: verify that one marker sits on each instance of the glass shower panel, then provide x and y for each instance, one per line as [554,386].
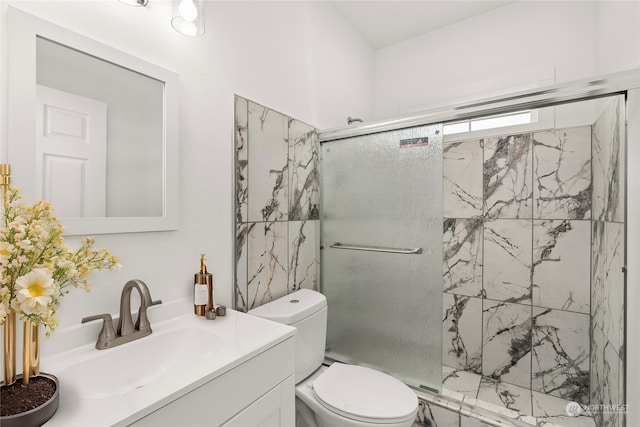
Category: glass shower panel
[381,218]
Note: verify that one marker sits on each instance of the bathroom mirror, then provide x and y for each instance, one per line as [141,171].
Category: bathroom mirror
[92,129]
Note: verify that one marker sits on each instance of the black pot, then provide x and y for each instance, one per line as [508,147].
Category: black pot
[37,416]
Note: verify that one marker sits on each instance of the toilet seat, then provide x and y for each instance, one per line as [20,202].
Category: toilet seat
[364,394]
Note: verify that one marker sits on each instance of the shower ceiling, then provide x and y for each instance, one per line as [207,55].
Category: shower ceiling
[382,23]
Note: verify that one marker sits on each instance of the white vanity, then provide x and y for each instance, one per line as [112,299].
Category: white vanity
[235,370]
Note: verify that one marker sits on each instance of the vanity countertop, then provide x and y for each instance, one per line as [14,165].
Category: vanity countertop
[121,385]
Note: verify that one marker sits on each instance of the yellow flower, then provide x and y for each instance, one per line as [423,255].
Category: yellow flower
[4,250]
[34,291]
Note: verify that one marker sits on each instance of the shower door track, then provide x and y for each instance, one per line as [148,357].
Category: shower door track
[616,83]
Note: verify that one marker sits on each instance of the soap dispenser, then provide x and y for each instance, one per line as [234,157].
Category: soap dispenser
[202,289]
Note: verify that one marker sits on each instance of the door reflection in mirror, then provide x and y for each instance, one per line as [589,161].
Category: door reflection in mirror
[129,179]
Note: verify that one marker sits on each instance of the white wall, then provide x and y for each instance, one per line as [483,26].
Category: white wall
[300,58]
[617,36]
[518,46]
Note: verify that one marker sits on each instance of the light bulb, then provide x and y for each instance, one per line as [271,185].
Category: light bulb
[188,10]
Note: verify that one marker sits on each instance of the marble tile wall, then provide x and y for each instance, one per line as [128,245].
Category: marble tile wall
[607,261]
[525,217]
[519,309]
[519,218]
[276,205]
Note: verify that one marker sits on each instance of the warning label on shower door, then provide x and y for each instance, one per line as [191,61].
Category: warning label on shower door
[414,142]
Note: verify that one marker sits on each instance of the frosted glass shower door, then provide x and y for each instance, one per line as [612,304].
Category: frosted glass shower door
[381,219]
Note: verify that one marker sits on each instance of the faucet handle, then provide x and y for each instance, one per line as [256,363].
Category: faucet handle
[142,322]
[107,333]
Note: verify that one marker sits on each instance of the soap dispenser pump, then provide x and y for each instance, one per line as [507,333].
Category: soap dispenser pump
[202,289]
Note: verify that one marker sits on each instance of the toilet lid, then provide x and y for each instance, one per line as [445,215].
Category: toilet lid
[364,394]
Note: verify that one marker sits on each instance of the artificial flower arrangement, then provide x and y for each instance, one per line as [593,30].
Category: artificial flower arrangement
[36,267]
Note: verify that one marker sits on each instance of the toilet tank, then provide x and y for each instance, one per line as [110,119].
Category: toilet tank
[306,310]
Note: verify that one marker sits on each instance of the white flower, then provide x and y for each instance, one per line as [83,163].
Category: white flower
[34,291]
[4,304]
[3,312]
[25,244]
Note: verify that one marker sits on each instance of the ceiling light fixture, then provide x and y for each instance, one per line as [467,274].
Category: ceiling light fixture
[189,19]
[135,2]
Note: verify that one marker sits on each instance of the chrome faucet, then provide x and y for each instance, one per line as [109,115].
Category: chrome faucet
[127,331]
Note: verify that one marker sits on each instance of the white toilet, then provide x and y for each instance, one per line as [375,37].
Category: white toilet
[339,395]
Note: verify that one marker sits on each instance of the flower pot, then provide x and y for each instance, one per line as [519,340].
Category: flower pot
[37,416]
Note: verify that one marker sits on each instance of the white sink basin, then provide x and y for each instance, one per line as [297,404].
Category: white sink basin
[139,363]
[117,386]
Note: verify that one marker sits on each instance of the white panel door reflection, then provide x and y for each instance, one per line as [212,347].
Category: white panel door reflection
[71,153]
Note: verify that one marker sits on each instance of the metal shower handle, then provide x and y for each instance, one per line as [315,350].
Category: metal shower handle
[404,251]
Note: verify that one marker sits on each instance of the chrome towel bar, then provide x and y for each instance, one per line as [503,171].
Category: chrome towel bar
[405,251]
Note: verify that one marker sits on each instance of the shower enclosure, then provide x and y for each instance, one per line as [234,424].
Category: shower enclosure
[475,259]
[501,305]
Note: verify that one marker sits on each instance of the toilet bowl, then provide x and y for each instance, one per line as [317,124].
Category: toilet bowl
[355,396]
[338,395]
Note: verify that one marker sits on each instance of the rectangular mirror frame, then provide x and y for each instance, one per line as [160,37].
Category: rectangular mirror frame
[23,28]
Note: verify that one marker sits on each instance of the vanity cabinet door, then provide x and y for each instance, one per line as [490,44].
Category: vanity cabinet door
[274,409]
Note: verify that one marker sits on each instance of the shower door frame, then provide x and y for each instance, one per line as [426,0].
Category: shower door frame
[626,83]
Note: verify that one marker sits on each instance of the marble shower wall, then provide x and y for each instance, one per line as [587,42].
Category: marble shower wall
[276,205]
[607,261]
[524,217]
[518,228]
